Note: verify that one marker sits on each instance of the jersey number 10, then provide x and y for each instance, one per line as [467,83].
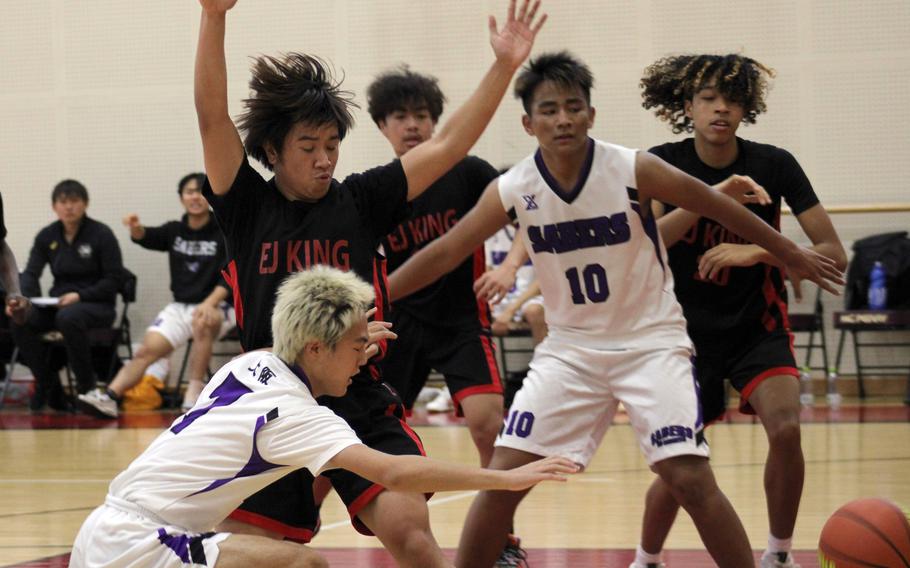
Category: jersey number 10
[596,288]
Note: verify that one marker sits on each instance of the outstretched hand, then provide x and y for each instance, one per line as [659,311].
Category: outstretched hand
[512,44]
[548,469]
[377,331]
[493,285]
[809,265]
[217,5]
[744,189]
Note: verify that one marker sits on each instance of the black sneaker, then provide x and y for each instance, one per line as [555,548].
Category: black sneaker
[513,555]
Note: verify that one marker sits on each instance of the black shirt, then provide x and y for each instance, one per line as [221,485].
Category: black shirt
[738,296]
[91,265]
[196,256]
[269,237]
[449,301]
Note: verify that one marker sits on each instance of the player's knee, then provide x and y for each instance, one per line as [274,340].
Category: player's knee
[784,431]
[533,314]
[311,560]
[690,482]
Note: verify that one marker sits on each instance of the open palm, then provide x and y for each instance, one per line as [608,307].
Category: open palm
[217,5]
[513,42]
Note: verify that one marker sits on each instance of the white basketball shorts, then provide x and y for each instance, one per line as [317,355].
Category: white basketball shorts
[175,322]
[571,393]
[113,537]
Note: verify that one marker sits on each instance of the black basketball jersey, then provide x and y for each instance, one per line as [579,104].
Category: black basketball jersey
[269,237]
[737,296]
[450,301]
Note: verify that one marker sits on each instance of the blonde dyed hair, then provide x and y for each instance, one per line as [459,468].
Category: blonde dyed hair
[318,304]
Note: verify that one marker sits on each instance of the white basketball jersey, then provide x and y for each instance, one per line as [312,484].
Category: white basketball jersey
[601,265]
[255,422]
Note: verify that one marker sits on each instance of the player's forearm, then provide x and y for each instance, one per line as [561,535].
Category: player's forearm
[427,162]
[744,223]
[423,268]
[424,475]
[675,224]
[210,76]
[215,297]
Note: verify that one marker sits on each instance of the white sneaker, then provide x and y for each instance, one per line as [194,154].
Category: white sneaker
[442,402]
[427,394]
[777,560]
[97,402]
[648,565]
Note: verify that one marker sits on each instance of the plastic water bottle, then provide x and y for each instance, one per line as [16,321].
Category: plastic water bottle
[878,293]
[805,387]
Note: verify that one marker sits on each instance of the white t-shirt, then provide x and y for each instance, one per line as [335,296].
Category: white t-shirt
[600,263]
[255,422]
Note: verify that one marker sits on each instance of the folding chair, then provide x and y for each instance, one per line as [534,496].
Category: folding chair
[173,397]
[113,337]
[812,323]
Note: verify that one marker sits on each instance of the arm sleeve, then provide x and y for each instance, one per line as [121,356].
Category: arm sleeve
[381,196]
[105,289]
[307,437]
[155,238]
[30,279]
[794,184]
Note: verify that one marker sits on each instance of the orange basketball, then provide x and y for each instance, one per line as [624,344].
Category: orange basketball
[863,533]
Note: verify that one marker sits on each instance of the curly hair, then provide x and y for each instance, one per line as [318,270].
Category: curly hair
[401,89]
[669,82]
[561,68]
[288,90]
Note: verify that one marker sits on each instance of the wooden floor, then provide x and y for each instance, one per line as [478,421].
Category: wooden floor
[55,468]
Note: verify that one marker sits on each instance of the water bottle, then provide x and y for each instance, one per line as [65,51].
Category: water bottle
[878,293]
[805,387]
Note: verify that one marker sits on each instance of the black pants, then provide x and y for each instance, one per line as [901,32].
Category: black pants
[73,322]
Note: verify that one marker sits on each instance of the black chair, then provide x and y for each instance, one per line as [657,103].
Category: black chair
[812,323]
[172,398]
[111,339]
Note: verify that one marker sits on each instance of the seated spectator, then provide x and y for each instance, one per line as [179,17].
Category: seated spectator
[87,267]
[195,248]
[523,301]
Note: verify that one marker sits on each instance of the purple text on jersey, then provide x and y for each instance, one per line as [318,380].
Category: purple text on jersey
[422,229]
[332,253]
[567,236]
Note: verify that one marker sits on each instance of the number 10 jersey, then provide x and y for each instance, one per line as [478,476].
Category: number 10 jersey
[598,256]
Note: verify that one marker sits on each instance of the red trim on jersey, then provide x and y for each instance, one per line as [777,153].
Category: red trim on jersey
[483,307]
[381,287]
[772,298]
[230,276]
[302,536]
[744,405]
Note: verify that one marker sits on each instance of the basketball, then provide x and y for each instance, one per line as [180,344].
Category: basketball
[865,532]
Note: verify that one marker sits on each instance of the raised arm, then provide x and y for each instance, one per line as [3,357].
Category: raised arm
[222,148]
[446,252]
[423,475]
[659,180]
[427,162]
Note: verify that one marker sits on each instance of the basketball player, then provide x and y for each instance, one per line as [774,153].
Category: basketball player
[616,332]
[294,123]
[731,290]
[160,511]
[442,327]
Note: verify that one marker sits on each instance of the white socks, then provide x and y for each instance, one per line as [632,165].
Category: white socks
[642,558]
